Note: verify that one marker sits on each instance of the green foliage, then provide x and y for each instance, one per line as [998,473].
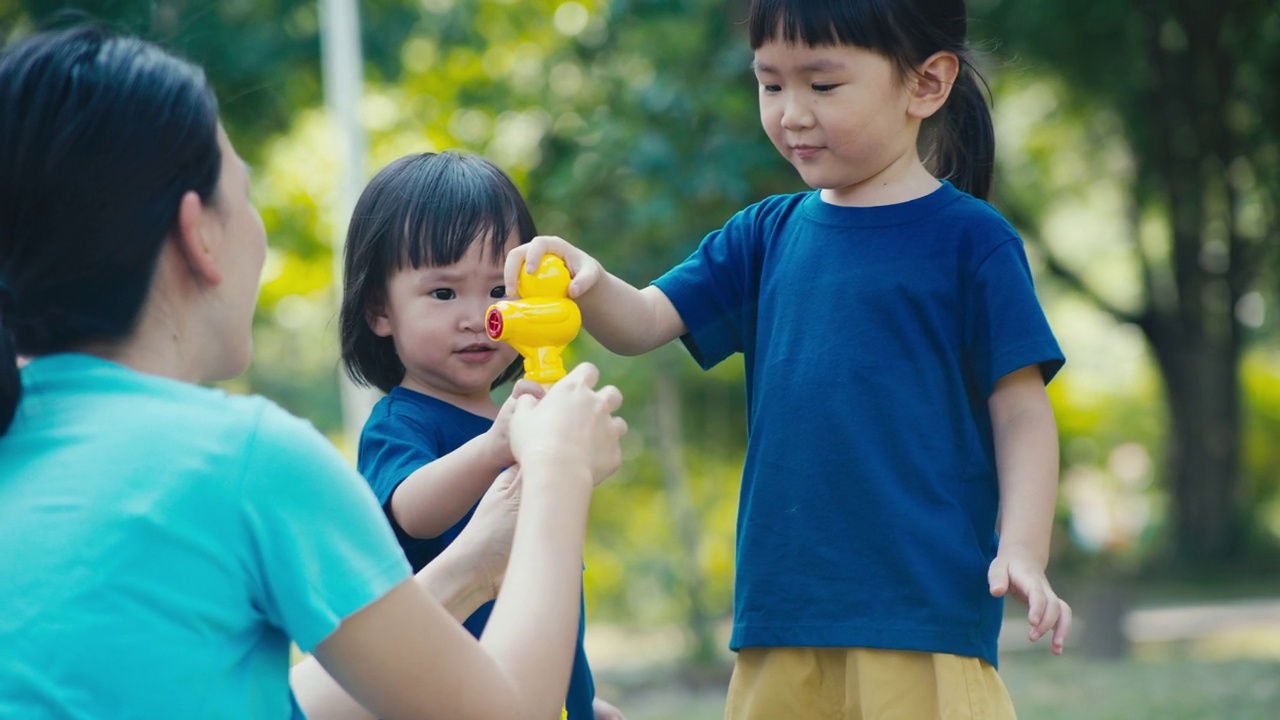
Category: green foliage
[632,158]
[1262,459]
[1165,127]
[632,127]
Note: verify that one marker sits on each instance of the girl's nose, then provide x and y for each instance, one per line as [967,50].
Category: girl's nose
[473,321]
[473,318]
[796,114]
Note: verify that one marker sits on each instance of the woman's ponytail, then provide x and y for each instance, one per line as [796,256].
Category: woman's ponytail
[100,137]
[963,140]
[10,382]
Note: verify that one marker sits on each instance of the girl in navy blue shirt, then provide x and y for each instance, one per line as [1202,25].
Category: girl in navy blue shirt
[423,263]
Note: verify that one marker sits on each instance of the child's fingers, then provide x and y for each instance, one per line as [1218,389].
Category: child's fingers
[526,257]
[538,247]
[584,278]
[511,269]
[1062,629]
[998,577]
[1042,612]
[542,245]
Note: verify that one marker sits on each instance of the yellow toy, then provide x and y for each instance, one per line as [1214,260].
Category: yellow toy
[541,323]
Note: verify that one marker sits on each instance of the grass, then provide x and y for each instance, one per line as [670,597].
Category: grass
[1046,688]
[1185,689]
[1195,656]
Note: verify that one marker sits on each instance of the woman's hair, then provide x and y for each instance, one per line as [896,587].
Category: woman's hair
[421,210]
[100,137]
[961,143]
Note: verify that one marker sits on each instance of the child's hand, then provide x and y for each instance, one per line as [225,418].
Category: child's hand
[572,426]
[604,711]
[584,269]
[1045,610]
[498,436]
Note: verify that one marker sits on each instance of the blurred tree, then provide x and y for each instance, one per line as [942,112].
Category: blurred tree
[261,56]
[1189,87]
[263,60]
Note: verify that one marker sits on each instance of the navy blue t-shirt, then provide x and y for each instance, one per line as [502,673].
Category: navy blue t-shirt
[407,430]
[872,339]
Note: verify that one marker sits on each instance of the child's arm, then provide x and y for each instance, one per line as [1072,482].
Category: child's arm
[1026,443]
[625,319]
[437,495]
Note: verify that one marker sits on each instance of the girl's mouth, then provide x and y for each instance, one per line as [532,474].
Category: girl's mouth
[805,152]
[477,352]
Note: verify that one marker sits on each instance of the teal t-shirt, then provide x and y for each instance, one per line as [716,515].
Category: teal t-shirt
[161,543]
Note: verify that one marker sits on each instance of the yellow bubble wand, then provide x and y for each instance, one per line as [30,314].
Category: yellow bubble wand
[541,323]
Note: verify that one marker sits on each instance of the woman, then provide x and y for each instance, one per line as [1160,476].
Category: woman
[162,542]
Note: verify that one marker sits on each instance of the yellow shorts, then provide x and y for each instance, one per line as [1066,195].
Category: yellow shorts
[805,683]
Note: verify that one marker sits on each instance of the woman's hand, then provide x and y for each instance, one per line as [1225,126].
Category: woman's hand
[498,436]
[573,426]
[486,539]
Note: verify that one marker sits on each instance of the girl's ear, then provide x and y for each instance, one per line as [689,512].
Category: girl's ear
[376,316]
[191,236]
[932,84]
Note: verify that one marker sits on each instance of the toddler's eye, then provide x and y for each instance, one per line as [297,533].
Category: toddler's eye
[498,292]
[770,88]
[443,294]
[823,88]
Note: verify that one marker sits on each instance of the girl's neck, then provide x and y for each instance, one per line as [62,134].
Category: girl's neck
[904,180]
[477,404]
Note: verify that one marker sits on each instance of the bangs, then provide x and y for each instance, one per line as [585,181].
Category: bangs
[444,204]
[819,22]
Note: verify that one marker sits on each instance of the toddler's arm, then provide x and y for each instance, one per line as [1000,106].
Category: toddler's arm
[625,319]
[1026,443]
[437,495]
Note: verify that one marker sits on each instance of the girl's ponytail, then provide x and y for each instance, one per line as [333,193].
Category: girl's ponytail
[964,144]
[10,383]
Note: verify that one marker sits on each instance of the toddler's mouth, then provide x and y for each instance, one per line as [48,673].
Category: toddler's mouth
[477,348]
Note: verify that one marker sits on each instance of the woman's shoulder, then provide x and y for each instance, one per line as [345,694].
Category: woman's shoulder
[140,401]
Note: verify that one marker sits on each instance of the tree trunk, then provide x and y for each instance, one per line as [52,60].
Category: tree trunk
[1202,389]
[1195,335]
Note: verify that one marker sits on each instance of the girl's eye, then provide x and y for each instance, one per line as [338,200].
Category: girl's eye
[770,88]
[443,294]
[498,292]
[818,87]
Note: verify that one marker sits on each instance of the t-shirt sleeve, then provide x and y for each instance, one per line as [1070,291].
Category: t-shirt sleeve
[321,549]
[1008,329]
[715,292]
[392,447]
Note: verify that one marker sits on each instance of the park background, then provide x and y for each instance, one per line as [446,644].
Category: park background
[1138,155]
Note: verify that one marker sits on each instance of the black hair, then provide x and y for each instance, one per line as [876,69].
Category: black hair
[422,210]
[100,137]
[959,139]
